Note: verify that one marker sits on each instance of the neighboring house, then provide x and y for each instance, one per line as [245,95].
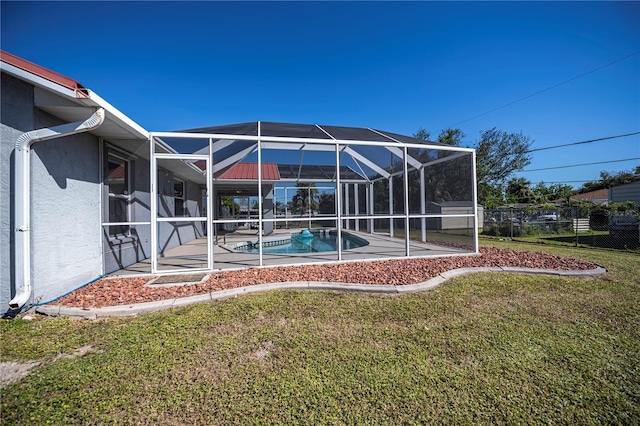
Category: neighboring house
[624,193]
[625,226]
[600,196]
[616,194]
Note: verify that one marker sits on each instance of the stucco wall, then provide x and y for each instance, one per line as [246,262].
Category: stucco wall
[65,202]
[122,252]
[16,117]
[174,234]
[65,209]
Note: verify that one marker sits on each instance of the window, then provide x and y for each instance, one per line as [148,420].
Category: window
[178,197]
[118,187]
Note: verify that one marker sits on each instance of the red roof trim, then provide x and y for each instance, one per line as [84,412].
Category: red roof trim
[45,73]
[249,171]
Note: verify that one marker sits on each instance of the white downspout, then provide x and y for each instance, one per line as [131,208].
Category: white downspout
[22,204]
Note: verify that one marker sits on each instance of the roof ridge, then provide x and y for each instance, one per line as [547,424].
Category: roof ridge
[43,72]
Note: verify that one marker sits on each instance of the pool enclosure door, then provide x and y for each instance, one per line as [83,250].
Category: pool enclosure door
[181,230]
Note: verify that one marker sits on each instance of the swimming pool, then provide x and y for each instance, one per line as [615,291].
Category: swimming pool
[322,241]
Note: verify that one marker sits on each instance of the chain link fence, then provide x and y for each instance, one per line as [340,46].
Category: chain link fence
[590,226]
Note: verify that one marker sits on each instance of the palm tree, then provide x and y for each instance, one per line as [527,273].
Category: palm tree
[306,198]
[519,190]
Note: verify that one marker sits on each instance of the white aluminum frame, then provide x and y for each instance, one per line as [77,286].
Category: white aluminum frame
[306,140]
[154,157]
[341,147]
[260,218]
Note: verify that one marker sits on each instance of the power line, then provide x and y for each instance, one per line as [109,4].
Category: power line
[544,90]
[578,165]
[562,181]
[583,142]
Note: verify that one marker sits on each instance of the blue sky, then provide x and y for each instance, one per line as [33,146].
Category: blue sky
[397,66]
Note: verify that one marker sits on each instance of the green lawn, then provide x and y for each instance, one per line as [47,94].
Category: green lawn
[481,349]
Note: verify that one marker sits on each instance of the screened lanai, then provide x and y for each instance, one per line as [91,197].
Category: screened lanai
[278,193]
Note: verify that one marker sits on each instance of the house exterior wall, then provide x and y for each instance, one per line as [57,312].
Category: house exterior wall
[624,193]
[16,117]
[69,246]
[65,201]
[120,252]
[174,234]
[65,215]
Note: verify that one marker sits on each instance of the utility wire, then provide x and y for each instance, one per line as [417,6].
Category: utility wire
[578,165]
[583,142]
[544,90]
[561,181]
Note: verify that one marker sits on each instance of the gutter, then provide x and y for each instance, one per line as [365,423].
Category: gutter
[22,200]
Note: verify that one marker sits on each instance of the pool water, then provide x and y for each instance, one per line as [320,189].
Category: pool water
[321,242]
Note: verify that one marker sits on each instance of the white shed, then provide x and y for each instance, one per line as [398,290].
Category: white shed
[452,208]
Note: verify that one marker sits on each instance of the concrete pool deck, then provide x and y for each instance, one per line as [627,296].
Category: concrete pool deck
[193,255]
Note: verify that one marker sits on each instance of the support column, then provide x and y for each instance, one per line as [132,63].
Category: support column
[370,207]
[346,205]
[260,261]
[210,208]
[338,204]
[267,207]
[309,204]
[423,206]
[476,246]
[406,202]
[286,209]
[357,205]
[153,177]
[391,205]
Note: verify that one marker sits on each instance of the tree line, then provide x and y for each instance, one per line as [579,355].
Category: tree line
[500,154]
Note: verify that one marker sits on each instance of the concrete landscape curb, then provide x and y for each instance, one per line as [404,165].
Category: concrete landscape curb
[140,308]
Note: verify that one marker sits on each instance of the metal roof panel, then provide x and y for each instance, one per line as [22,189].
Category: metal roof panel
[249,171]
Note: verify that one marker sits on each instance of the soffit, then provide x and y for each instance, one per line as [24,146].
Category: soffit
[71,110]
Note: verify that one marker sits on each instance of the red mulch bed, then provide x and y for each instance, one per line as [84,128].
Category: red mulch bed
[124,291]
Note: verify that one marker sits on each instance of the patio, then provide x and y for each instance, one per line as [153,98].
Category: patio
[211,188]
[193,255]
